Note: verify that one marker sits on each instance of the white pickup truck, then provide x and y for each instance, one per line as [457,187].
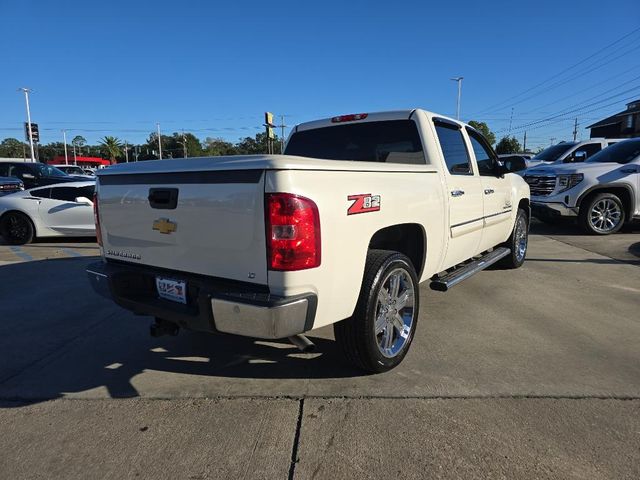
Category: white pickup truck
[341,229]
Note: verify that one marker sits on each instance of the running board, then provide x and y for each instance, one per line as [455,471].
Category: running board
[444,283]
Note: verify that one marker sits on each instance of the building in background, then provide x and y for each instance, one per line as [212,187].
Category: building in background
[91,162]
[625,124]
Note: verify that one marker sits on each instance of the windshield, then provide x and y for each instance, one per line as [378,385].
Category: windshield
[622,152]
[393,141]
[73,170]
[554,152]
[48,170]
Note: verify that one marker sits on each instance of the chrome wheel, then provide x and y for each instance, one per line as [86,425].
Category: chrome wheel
[521,238]
[605,215]
[395,311]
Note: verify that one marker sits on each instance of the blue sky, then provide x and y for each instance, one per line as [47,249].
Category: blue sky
[213,68]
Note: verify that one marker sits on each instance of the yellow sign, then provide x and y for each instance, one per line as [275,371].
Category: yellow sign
[164,225]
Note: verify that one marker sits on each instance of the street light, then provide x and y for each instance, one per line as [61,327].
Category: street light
[159,141]
[26,99]
[66,155]
[459,80]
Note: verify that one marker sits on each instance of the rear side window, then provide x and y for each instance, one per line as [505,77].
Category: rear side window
[454,149]
[393,141]
[67,194]
[41,192]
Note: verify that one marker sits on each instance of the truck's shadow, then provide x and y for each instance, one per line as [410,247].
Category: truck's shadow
[59,337]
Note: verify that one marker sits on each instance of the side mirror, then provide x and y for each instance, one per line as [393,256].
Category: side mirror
[580,156]
[84,201]
[515,164]
[28,176]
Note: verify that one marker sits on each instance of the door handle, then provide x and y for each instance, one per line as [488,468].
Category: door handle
[488,191]
[457,193]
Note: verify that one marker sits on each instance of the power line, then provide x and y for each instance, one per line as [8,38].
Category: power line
[562,72]
[564,118]
[564,82]
[576,108]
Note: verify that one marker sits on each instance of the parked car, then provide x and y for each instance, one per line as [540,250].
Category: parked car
[338,230]
[10,185]
[34,174]
[571,152]
[74,171]
[51,211]
[602,193]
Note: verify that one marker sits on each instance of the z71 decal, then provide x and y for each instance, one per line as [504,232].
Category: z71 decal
[363,203]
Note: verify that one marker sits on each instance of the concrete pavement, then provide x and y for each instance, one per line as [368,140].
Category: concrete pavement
[513,374]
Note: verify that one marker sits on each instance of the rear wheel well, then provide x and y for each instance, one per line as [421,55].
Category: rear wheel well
[525,205]
[407,238]
[621,192]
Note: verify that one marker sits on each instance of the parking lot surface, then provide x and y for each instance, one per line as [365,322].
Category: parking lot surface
[513,374]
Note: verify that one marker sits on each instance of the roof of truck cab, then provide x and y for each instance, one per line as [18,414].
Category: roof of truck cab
[371,117]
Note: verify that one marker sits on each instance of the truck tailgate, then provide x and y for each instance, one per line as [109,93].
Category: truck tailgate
[216,227]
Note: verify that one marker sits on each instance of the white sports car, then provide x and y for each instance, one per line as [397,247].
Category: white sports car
[58,210]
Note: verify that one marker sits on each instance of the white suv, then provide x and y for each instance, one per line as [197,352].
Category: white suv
[601,192]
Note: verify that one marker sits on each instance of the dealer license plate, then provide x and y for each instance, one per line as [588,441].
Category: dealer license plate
[174,290]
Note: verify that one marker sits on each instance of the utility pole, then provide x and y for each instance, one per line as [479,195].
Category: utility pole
[510,121]
[75,158]
[282,127]
[524,143]
[66,155]
[575,129]
[159,141]
[136,152]
[126,151]
[26,99]
[459,80]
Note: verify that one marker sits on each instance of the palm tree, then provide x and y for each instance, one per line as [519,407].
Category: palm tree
[111,147]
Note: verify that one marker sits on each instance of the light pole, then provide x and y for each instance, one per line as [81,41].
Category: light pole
[459,80]
[159,141]
[26,99]
[66,155]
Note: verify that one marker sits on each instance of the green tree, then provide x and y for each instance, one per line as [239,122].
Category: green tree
[12,148]
[111,147]
[256,145]
[216,147]
[484,129]
[53,149]
[79,141]
[180,140]
[508,145]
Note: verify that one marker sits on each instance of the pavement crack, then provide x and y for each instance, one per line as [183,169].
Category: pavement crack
[296,441]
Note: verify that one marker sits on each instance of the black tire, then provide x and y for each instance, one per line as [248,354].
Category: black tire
[16,228]
[518,242]
[360,337]
[602,214]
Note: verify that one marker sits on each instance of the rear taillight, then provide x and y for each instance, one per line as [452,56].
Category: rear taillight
[293,232]
[96,219]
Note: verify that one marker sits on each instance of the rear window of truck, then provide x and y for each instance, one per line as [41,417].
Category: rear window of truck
[392,141]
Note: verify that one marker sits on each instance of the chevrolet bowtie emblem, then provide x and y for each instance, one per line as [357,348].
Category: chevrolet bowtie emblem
[164,225]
